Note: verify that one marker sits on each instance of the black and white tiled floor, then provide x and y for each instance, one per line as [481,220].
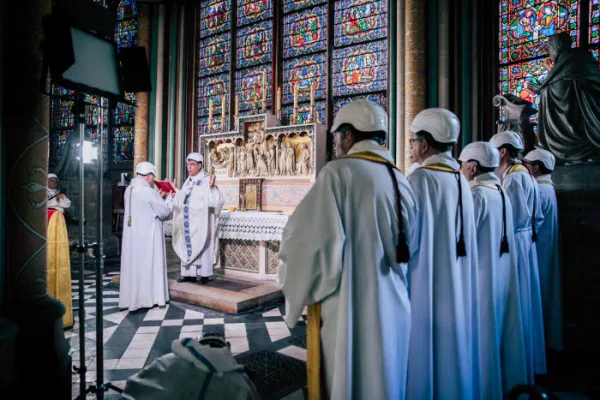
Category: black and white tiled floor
[274,355]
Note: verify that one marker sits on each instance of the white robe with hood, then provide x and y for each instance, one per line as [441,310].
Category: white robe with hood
[503,363]
[143,257]
[524,193]
[444,349]
[339,249]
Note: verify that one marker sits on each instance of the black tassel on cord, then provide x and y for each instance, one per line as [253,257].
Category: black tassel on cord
[402,252]
[504,246]
[534,235]
[461,249]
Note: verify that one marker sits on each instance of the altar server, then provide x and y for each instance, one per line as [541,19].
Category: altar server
[502,349]
[196,209]
[59,258]
[346,246]
[444,349]
[56,200]
[541,164]
[143,257]
[524,196]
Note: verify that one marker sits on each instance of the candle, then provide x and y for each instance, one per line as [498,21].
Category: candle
[237,105]
[278,98]
[296,96]
[264,86]
[312,94]
[223,111]
[210,109]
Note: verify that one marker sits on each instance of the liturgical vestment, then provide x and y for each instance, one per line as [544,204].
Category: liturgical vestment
[444,350]
[143,256]
[59,263]
[524,196]
[196,209]
[503,363]
[548,251]
[339,249]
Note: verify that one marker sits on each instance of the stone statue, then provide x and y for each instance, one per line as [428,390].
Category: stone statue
[231,162]
[261,166]
[242,164]
[303,162]
[272,163]
[518,114]
[290,159]
[570,103]
[282,159]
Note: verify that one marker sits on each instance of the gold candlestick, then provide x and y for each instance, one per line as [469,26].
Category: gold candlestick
[264,91]
[312,94]
[224,99]
[278,102]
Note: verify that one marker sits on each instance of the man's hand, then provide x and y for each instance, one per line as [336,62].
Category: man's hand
[60,197]
[161,193]
[212,181]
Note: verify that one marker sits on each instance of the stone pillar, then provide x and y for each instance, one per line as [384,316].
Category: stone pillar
[26,116]
[415,66]
[400,89]
[141,101]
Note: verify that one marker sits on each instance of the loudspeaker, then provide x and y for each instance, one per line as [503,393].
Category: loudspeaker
[135,72]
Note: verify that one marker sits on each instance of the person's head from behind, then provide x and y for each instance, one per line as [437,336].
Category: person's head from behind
[357,121]
[478,158]
[433,131]
[194,163]
[557,44]
[146,171]
[539,162]
[509,144]
[52,181]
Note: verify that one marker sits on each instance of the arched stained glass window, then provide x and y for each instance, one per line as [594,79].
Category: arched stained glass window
[62,119]
[526,25]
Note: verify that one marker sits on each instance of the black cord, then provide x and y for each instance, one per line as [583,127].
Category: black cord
[504,244]
[461,248]
[402,250]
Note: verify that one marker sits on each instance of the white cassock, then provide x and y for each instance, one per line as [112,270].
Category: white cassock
[444,350]
[548,252]
[57,204]
[339,249]
[523,192]
[143,256]
[503,363]
[196,209]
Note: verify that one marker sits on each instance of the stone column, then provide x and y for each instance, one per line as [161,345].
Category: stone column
[140,148]
[400,89]
[415,65]
[26,116]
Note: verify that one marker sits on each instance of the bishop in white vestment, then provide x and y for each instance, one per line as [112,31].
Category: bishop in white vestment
[196,209]
[443,281]
[56,199]
[143,257]
[541,164]
[346,247]
[503,363]
[524,196]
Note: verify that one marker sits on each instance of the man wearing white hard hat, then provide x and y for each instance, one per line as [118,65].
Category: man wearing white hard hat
[143,257]
[346,247]
[444,349]
[524,196]
[196,209]
[59,257]
[501,332]
[56,200]
[541,164]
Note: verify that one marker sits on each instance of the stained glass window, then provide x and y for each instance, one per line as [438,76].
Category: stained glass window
[295,5]
[254,44]
[249,84]
[305,32]
[250,11]
[378,98]
[595,22]
[304,72]
[358,21]
[215,17]
[304,112]
[360,69]
[525,26]
[214,54]
[212,88]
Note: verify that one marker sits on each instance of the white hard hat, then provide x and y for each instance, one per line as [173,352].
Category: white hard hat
[363,115]
[440,123]
[145,168]
[196,157]
[483,152]
[52,176]
[544,156]
[507,137]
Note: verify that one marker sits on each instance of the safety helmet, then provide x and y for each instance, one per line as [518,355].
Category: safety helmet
[440,123]
[364,115]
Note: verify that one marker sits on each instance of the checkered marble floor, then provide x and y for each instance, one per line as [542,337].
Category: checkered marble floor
[132,340]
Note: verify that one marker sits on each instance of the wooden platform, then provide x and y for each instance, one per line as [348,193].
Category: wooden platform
[222,293]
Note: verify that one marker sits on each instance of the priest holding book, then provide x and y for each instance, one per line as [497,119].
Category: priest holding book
[143,256]
[196,209]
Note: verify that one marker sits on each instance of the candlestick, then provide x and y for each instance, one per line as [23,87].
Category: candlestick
[237,105]
[296,96]
[223,112]
[264,91]
[210,109]
[312,94]
[278,100]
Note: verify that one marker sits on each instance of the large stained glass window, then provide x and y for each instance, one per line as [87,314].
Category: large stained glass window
[62,117]
[353,62]
[525,27]
[595,22]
